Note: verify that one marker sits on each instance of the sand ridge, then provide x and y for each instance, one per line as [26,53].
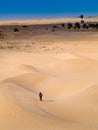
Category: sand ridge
[65,70]
[62,91]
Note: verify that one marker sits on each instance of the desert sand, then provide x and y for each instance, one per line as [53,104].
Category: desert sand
[46,21]
[62,65]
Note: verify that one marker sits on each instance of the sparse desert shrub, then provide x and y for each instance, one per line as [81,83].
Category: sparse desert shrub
[96,25]
[69,25]
[92,25]
[63,25]
[52,29]
[77,25]
[87,27]
[54,26]
[1,47]
[27,46]
[84,25]
[24,26]
[82,21]
[1,36]
[43,46]
[10,46]
[46,28]
[16,29]
[33,42]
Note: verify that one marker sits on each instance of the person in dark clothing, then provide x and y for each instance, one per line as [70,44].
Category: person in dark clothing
[40,96]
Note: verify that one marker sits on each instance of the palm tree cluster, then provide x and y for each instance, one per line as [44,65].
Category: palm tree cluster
[78,25]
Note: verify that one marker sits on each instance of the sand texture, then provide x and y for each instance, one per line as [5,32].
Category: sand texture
[63,66]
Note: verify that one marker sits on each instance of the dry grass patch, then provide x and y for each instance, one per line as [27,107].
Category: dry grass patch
[43,46]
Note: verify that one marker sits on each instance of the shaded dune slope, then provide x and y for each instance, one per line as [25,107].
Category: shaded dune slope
[70,96]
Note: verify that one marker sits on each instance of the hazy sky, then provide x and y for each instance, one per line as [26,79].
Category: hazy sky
[48,6]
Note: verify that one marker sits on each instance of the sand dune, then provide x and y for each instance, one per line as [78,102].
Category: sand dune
[65,71]
[69,100]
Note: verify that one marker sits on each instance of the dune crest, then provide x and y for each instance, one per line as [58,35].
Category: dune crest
[62,65]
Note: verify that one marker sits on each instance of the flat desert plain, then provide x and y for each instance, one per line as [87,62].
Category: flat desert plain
[62,65]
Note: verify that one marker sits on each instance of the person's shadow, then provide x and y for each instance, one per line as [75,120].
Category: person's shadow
[49,100]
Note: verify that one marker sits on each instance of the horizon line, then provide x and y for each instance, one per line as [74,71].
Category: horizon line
[44,16]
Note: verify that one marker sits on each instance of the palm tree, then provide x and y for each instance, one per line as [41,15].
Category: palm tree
[81,16]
